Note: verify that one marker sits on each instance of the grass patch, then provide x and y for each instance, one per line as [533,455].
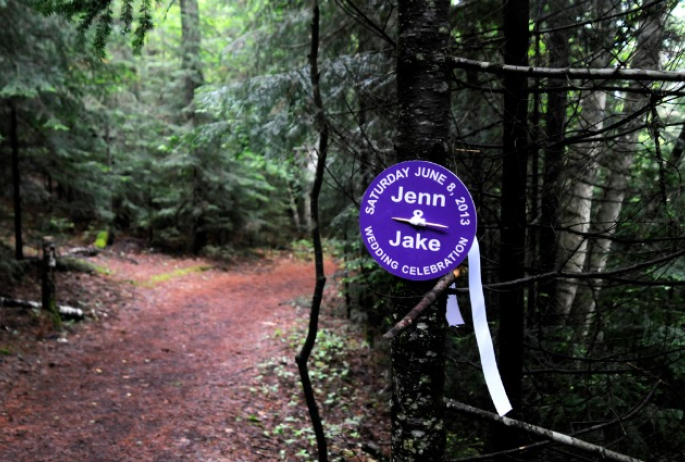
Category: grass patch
[80,266]
[163,277]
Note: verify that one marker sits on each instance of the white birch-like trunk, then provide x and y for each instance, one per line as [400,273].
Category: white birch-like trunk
[618,162]
[582,167]
[575,214]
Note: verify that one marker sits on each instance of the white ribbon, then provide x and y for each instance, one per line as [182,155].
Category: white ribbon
[480,326]
[454,317]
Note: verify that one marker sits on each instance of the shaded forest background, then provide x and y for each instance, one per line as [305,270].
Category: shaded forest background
[205,142]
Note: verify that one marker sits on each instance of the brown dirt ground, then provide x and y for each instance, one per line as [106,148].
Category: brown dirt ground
[186,367]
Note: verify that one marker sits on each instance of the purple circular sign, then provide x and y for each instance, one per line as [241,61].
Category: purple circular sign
[418,220]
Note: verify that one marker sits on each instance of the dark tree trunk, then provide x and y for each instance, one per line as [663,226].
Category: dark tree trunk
[555,122]
[418,354]
[191,64]
[16,182]
[513,219]
[192,79]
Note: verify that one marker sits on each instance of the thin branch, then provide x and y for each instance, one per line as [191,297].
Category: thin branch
[619,73]
[594,275]
[425,302]
[350,8]
[546,433]
[302,358]
[637,408]
[444,283]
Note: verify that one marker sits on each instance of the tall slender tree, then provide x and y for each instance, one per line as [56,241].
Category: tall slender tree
[619,158]
[16,181]
[418,427]
[581,175]
[514,183]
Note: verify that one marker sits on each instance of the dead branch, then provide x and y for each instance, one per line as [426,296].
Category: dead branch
[85,251]
[619,419]
[619,73]
[593,275]
[425,302]
[444,283]
[551,435]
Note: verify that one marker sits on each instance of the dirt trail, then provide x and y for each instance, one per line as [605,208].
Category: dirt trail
[164,378]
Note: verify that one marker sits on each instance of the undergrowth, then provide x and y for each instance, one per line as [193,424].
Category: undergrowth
[346,389]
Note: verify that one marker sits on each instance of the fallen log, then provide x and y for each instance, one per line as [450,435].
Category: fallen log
[85,251]
[65,311]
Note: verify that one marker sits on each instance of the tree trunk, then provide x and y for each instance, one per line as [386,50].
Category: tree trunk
[190,47]
[582,174]
[576,213]
[555,122]
[192,78]
[618,162]
[16,181]
[513,201]
[418,429]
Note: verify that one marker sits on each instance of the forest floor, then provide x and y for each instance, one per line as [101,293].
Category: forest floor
[181,360]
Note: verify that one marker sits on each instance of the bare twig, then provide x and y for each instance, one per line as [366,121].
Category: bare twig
[543,432]
[444,283]
[420,307]
[302,358]
[618,73]
[540,444]
[593,275]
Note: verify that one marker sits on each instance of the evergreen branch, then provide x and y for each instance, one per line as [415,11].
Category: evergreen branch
[104,28]
[145,25]
[126,15]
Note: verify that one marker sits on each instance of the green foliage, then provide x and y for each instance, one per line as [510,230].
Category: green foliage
[164,277]
[100,17]
[46,77]
[101,240]
[108,141]
[331,376]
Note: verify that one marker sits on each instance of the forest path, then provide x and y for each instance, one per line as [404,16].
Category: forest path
[170,376]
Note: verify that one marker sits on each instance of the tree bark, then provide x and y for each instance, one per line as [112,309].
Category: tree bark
[191,66]
[513,202]
[418,429]
[555,122]
[582,172]
[65,311]
[190,47]
[16,181]
[618,162]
